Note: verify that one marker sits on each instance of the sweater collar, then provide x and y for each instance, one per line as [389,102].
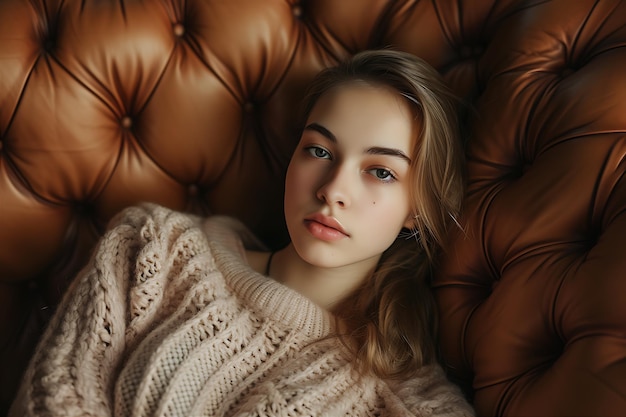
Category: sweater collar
[266,296]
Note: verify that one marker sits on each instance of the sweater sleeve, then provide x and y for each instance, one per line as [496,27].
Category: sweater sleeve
[431,394]
[104,310]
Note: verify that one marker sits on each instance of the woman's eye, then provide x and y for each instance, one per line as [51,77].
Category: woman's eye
[382,174]
[318,152]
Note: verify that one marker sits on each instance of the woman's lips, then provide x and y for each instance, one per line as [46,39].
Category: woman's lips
[325,228]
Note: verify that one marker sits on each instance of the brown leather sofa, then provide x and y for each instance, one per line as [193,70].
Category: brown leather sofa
[193,105]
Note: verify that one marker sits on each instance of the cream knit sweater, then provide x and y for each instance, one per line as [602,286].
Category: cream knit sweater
[164,321]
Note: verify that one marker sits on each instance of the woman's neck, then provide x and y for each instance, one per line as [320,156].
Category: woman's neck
[326,287]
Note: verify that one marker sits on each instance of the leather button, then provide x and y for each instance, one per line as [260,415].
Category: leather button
[297,11]
[127,122]
[179,29]
[48,45]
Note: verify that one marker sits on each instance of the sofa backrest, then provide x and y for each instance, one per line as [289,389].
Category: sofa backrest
[194,105]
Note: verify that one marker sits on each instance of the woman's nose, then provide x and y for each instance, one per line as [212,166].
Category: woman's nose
[336,188]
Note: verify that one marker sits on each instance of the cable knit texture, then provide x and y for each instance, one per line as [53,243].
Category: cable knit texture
[168,319]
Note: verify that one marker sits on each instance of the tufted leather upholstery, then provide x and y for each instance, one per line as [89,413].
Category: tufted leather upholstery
[192,104]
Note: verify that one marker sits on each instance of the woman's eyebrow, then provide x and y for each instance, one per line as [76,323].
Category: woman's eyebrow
[321,130]
[389,152]
[376,150]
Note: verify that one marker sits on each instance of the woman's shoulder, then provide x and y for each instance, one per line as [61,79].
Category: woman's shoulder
[222,226]
[430,393]
[147,212]
[150,220]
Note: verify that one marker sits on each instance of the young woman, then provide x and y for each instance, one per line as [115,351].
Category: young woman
[180,316]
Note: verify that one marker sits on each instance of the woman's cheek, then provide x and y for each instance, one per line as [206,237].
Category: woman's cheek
[298,179]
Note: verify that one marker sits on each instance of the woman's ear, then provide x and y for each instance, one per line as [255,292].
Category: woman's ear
[410,222]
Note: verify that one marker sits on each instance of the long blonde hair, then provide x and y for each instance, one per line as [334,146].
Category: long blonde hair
[392,317]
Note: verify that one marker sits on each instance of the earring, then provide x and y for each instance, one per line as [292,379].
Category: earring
[409,234]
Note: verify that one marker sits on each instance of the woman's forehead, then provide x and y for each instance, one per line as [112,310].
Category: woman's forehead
[372,115]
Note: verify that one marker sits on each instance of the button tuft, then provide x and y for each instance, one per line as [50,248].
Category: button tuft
[127,122]
[48,45]
[179,29]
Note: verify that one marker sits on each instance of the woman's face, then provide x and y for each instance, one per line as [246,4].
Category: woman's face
[347,186]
